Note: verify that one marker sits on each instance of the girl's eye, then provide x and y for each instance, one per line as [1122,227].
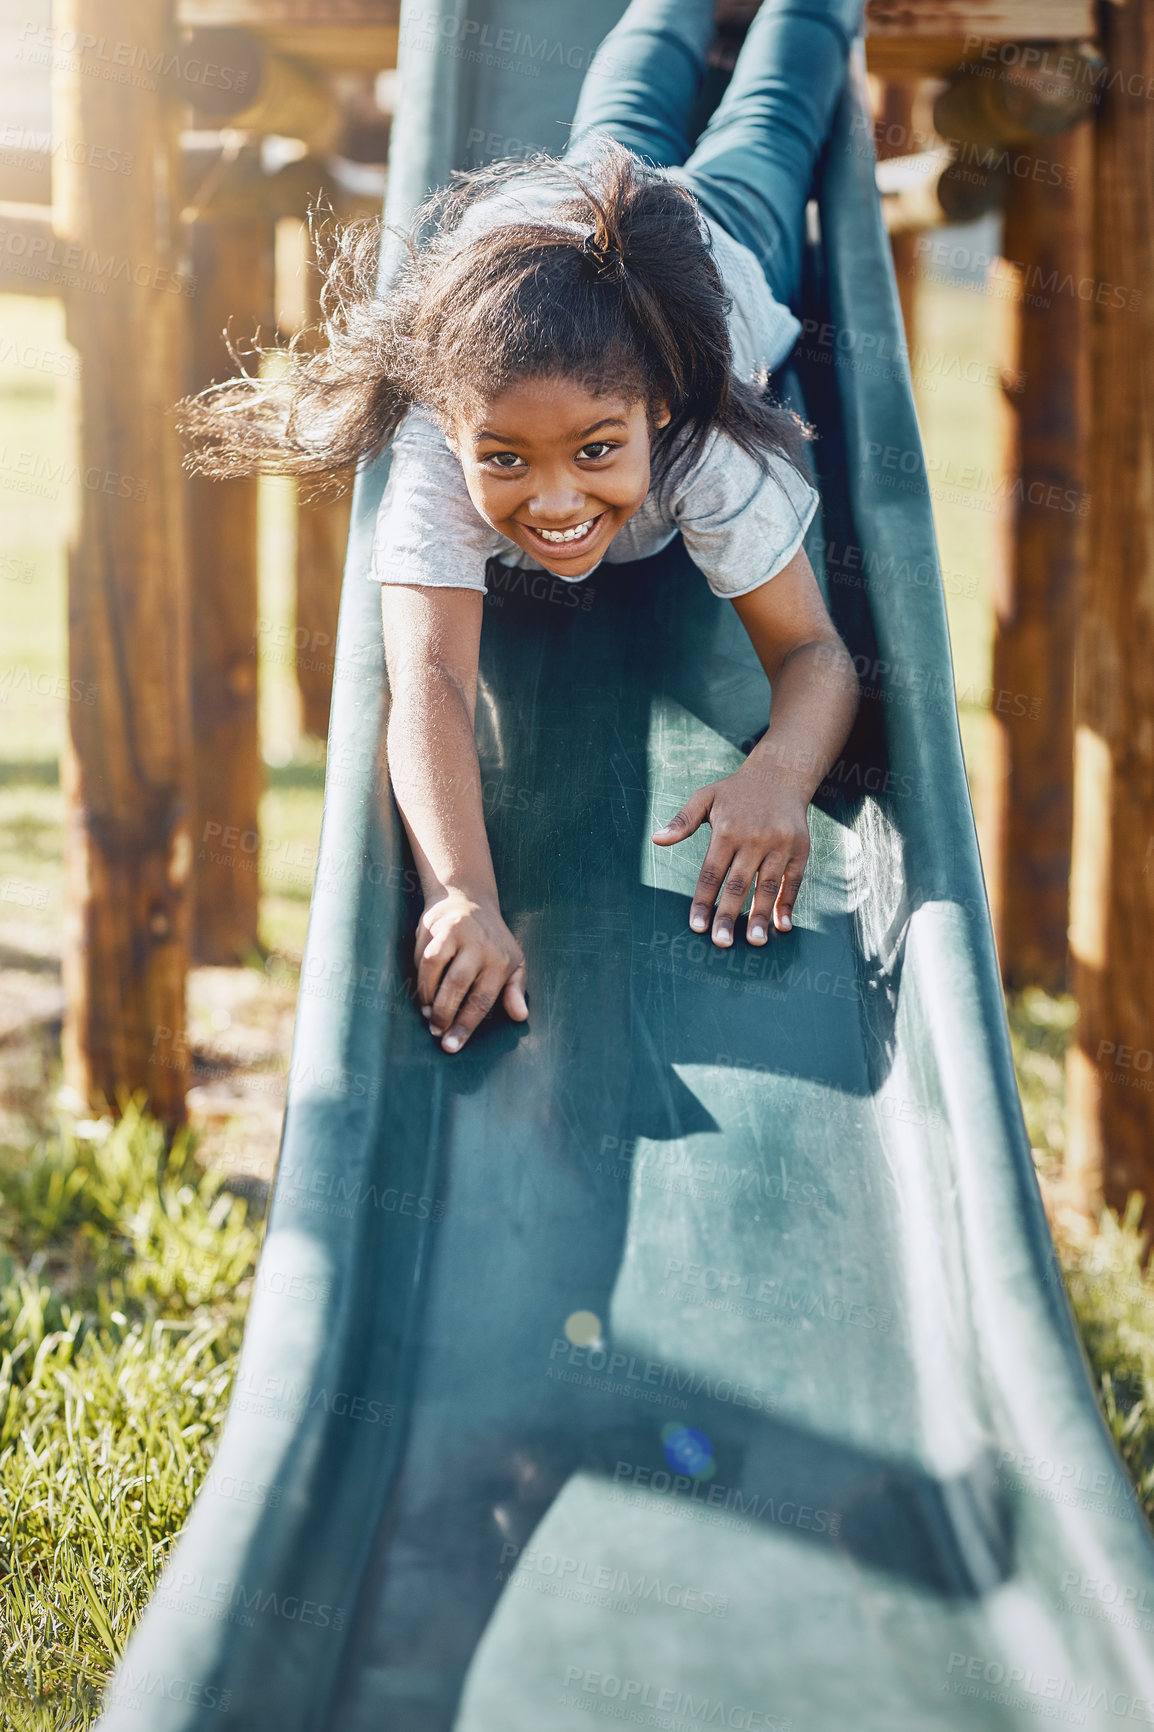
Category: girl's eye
[502,459]
[599,448]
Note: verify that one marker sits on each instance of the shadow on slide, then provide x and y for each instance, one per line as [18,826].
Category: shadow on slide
[695,1354]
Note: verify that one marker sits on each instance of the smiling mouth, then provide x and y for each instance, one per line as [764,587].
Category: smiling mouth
[572,538]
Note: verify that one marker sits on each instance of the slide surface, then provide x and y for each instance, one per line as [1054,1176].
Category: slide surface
[696,1354]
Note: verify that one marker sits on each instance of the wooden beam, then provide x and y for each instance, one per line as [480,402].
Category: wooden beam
[26,177]
[921,38]
[31,255]
[894,122]
[990,104]
[333,35]
[910,58]
[279,14]
[254,89]
[127,770]
[904,37]
[998,20]
[1047,236]
[1009,20]
[337,47]
[1111,1068]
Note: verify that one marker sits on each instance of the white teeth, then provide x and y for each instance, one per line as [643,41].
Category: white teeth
[573,534]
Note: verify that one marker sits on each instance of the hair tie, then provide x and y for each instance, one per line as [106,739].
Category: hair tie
[606,260]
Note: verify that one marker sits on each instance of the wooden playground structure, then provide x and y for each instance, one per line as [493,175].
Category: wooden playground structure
[163,773]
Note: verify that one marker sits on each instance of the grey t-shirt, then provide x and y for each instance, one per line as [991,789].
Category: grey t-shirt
[740,525]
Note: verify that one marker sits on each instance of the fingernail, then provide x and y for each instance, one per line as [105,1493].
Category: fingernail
[786,923]
[452,1042]
[698,922]
[723,937]
[426,1011]
[757,934]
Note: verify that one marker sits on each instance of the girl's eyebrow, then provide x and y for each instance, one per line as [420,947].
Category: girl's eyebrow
[609,421]
[512,438]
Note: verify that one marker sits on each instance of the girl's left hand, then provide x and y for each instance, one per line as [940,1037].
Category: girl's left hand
[757,832]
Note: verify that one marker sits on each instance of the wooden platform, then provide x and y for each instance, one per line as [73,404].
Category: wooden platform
[336,35]
[935,36]
[902,36]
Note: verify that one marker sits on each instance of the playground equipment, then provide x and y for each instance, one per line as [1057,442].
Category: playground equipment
[696,1353]
[166,760]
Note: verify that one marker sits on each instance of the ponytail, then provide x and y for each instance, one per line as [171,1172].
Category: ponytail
[615,287]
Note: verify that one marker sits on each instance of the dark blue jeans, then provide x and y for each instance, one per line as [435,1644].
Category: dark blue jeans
[752,167]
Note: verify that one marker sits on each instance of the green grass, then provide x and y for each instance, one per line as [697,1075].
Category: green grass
[124,1277]
[1040,1031]
[1111,1288]
[124,1271]
[1108,1278]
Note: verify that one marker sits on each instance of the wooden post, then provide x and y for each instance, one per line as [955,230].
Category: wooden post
[322,538]
[234,276]
[1111,1067]
[127,771]
[894,134]
[1046,394]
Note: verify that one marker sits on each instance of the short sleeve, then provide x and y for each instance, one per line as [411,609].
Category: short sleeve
[428,530]
[740,524]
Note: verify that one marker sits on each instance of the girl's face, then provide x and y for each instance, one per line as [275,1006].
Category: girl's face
[556,469]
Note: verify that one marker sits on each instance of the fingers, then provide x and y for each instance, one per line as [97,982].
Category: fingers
[458,980]
[787,895]
[776,893]
[743,848]
[733,893]
[434,953]
[723,881]
[761,913]
[478,1000]
[709,882]
[513,998]
[474,1004]
[690,818]
[458,984]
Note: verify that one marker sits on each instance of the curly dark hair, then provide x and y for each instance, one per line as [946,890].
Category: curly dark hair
[615,288]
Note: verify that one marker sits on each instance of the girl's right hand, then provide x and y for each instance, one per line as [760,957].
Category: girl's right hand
[467,959]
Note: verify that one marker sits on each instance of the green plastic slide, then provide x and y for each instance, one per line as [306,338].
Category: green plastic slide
[694,1355]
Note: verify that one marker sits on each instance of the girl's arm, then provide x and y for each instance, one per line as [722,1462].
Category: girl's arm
[466,956]
[757,816]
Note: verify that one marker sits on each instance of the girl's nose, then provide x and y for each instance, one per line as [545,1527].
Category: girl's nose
[555,500]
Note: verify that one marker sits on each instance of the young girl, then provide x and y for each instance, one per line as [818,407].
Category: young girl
[574,363]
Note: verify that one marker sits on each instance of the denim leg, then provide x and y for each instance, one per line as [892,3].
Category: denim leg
[643,80]
[753,165]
